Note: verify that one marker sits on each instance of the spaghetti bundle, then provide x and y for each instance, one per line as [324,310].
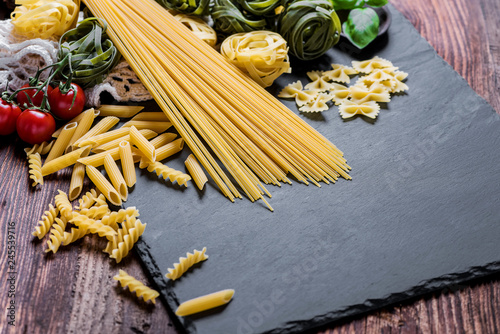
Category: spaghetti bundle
[209,100]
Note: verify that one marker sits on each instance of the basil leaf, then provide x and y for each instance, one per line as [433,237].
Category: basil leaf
[376,3]
[347,4]
[361,26]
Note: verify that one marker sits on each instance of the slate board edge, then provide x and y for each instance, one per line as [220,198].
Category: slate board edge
[432,285]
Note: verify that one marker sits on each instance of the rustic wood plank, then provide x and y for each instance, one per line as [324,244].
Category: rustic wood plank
[73,290]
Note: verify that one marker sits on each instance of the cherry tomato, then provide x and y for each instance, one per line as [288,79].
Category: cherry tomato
[8,116]
[60,104]
[35,126]
[22,96]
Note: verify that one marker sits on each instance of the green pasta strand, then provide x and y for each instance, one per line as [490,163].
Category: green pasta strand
[193,7]
[229,18]
[310,27]
[92,54]
[260,7]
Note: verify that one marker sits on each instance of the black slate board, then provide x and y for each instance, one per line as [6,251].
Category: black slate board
[421,212]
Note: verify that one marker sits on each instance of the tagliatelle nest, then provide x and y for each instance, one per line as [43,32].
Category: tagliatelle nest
[261,54]
[199,27]
[44,18]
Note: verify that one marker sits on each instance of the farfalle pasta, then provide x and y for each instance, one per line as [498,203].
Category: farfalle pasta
[318,82]
[185,263]
[378,79]
[294,90]
[318,104]
[367,66]
[349,108]
[339,73]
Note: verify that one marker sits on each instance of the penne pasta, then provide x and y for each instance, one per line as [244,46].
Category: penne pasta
[127,161]
[82,128]
[116,177]
[76,184]
[154,116]
[97,160]
[164,152]
[64,161]
[194,168]
[158,127]
[142,144]
[105,137]
[148,134]
[104,125]
[163,139]
[62,141]
[103,185]
[204,303]
[76,119]
[119,111]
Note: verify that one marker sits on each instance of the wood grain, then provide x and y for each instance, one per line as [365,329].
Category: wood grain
[73,291]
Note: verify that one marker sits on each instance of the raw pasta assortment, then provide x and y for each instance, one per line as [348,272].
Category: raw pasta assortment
[378,79]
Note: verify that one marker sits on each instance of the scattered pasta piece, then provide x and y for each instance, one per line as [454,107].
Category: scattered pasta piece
[339,93]
[340,73]
[318,104]
[204,303]
[56,235]
[35,169]
[367,66]
[93,226]
[48,219]
[261,54]
[74,235]
[186,262]
[194,168]
[119,111]
[169,173]
[136,286]
[87,200]
[294,90]
[112,219]
[132,230]
[349,108]
[63,205]
[318,83]
[41,149]
[376,92]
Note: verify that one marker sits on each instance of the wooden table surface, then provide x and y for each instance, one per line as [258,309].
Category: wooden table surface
[73,291]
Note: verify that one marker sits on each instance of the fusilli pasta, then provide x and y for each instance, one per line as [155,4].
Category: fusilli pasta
[169,173]
[56,235]
[135,229]
[63,204]
[186,262]
[46,222]
[93,226]
[136,286]
[35,169]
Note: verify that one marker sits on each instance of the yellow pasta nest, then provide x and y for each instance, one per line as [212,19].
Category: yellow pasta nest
[93,226]
[169,173]
[186,262]
[44,18]
[136,286]
[35,169]
[63,204]
[261,54]
[56,235]
[41,149]
[133,229]
[199,27]
[112,219]
[46,222]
